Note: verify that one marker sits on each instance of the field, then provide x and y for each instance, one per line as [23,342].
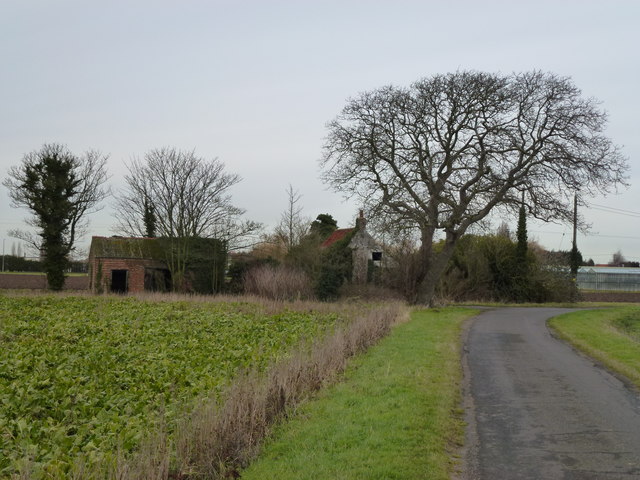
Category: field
[38,281]
[82,378]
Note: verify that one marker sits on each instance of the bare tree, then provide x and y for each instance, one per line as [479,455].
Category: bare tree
[293,226]
[439,156]
[617,259]
[238,234]
[32,241]
[188,194]
[187,197]
[60,189]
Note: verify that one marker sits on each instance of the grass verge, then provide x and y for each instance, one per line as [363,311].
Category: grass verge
[538,305]
[612,336]
[390,418]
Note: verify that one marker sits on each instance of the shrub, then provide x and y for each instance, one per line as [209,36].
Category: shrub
[241,264]
[368,292]
[489,268]
[335,269]
[13,263]
[399,271]
[278,283]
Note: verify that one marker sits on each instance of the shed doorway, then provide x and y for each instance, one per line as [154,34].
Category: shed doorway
[119,281]
[157,280]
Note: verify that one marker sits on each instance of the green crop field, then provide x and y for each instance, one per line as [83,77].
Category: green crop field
[85,377]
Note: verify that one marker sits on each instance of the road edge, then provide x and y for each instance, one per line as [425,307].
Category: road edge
[597,363]
[467,467]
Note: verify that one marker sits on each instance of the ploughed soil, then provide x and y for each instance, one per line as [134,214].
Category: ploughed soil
[610,296]
[38,281]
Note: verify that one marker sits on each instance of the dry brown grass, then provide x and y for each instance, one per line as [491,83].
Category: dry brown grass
[219,437]
[278,283]
[368,292]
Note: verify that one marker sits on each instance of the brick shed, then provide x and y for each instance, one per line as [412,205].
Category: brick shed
[126,264]
[135,264]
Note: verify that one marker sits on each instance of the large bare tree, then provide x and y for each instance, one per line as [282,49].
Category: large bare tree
[181,196]
[60,189]
[439,156]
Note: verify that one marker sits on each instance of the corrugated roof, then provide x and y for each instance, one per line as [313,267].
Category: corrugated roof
[336,236]
[623,270]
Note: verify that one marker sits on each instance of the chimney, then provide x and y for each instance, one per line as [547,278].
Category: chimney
[361,222]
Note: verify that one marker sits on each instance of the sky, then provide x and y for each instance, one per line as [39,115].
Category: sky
[254,83]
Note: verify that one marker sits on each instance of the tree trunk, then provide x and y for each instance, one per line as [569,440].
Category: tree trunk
[434,267]
[55,258]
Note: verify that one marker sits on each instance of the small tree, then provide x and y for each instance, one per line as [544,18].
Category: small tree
[307,253]
[324,265]
[504,230]
[575,260]
[60,189]
[149,219]
[323,226]
[335,268]
[617,259]
[293,227]
[521,236]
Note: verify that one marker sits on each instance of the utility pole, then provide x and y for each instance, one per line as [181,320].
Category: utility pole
[574,249]
[3,254]
[575,221]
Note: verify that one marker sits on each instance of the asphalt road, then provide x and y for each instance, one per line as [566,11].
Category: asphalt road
[538,410]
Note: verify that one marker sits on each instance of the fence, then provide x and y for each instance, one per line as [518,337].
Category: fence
[612,279]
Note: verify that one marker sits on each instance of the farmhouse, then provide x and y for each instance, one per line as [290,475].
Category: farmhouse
[366,253]
[137,264]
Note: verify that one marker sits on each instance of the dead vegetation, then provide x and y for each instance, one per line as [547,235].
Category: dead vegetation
[278,283]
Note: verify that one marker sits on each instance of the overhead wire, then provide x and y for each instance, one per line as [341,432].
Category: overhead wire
[617,211]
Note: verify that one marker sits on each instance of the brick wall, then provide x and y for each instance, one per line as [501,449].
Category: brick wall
[134,267]
[39,282]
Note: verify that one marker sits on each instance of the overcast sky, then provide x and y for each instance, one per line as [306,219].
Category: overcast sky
[253,83]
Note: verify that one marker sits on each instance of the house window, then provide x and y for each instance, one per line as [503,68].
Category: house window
[376,256]
[120,281]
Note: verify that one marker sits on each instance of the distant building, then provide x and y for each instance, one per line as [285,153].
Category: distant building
[137,264]
[336,236]
[607,278]
[366,253]
[122,265]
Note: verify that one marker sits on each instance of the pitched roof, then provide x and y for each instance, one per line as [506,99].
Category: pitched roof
[336,236]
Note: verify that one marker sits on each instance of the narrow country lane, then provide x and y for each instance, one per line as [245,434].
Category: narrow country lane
[538,410]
